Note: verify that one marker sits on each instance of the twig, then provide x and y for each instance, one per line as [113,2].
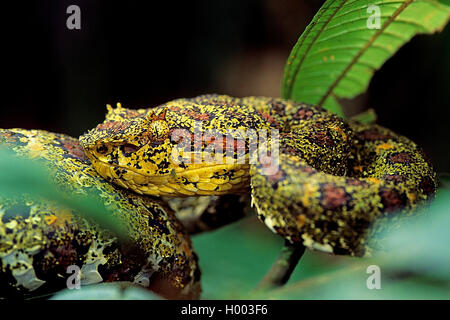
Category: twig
[315,281]
[283,267]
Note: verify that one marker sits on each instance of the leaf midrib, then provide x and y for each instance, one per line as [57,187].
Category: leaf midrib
[364,49]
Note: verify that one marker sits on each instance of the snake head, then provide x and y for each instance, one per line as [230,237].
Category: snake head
[131,148]
[161,151]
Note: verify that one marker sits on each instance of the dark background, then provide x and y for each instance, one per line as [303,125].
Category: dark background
[144,53]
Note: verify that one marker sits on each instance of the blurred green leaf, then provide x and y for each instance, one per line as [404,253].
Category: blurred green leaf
[235,258]
[422,244]
[337,54]
[20,176]
[414,263]
[107,291]
[444,179]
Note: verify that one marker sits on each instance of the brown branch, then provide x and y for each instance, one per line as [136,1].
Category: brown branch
[283,267]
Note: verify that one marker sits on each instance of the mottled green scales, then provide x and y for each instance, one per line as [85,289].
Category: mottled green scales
[40,240]
[334,178]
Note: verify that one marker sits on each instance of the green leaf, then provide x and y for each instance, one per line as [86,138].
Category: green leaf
[337,54]
[420,245]
[414,264]
[19,176]
[234,259]
[444,179]
[107,291]
[367,117]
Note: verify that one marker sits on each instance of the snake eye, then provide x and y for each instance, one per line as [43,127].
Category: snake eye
[103,149]
[130,148]
[158,130]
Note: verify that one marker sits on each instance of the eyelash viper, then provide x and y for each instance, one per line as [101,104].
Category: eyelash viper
[335,177]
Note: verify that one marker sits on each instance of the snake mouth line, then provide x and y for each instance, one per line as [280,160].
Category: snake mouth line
[186,182]
[175,171]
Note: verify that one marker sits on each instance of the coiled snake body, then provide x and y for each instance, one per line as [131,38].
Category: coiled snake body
[313,178]
[332,178]
[40,239]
